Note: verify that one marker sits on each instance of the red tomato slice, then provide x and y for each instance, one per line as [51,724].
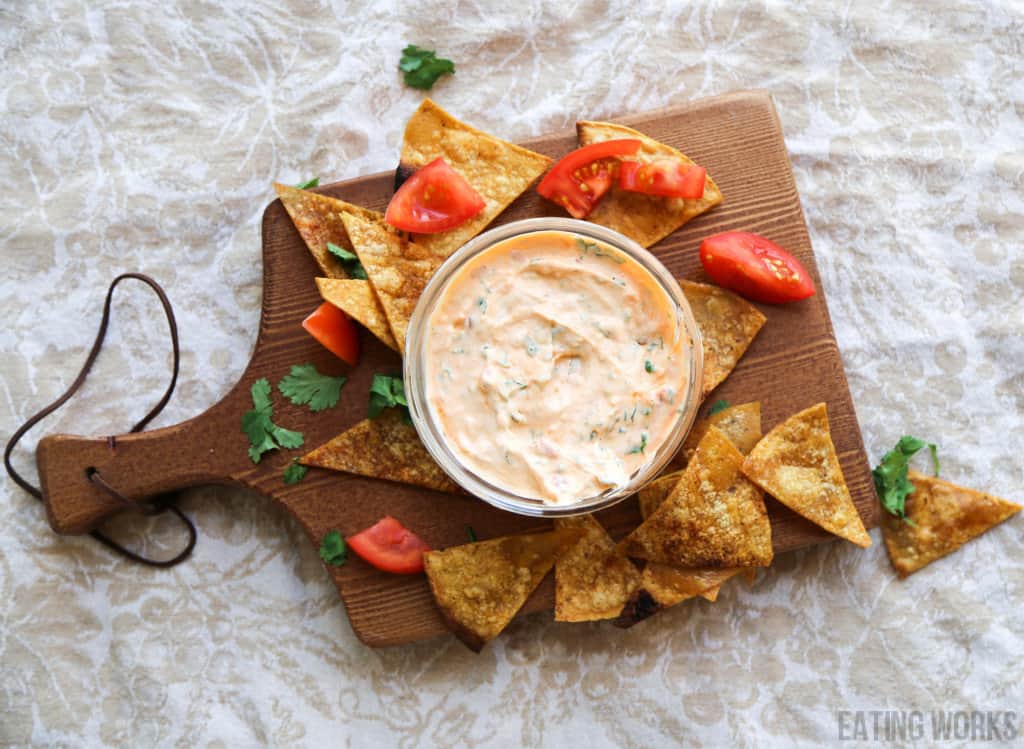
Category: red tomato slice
[755,267]
[335,331]
[669,178]
[579,180]
[389,546]
[435,198]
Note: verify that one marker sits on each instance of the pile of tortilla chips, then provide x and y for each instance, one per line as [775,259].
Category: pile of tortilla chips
[704,521]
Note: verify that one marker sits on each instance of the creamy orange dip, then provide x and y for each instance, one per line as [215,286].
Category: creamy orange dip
[556,366]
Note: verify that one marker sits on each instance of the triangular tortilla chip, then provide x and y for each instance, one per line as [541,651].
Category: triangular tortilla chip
[653,494]
[662,585]
[943,517]
[741,424]
[714,517]
[398,269]
[498,170]
[479,587]
[318,220]
[644,218]
[591,580]
[728,325]
[382,448]
[797,464]
[356,299]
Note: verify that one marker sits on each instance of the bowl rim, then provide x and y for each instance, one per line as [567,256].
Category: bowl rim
[414,368]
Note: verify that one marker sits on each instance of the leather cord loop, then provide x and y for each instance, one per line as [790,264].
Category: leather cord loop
[152,507]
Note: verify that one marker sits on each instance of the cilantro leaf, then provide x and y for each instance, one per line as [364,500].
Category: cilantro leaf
[387,392]
[333,549]
[304,385]
[264,435]
[641,447]
[648,366]
[286,437]
[315,182]
[422,67]
[261,391]
[349,260]
[295,472]
[719,405]
[891,482]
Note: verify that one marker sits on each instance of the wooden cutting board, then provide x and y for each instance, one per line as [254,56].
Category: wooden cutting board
[794,363]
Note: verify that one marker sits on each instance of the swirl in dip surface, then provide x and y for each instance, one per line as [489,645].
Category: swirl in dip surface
[556,366]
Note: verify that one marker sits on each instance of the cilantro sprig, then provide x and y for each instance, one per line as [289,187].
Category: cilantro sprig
[315,182]
[304,385]
[387,392]
[295,472]
[718,405]
[349,261]
[333,549]
[890,475]
[258,424]
[422,67]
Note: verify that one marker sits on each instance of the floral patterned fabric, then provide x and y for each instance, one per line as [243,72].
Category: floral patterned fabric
[145,136]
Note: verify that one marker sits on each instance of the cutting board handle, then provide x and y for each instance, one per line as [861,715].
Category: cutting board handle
[138,466]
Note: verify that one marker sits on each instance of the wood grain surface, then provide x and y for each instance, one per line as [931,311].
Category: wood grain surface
[793,364]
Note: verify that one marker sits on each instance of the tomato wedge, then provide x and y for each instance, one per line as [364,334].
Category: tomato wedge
[390,546]
[336,331]
[580,179]
[669,178]
[755,267]
[435,198]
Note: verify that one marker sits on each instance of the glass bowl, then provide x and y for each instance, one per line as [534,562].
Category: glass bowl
[416,380]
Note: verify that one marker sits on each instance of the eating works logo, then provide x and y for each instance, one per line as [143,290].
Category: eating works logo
[935,725]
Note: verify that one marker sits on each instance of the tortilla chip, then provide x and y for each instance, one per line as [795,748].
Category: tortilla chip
[944,516]
[644,218]
[318,220]
[591,580]
[383,448]
[656,492]
[728,325]
[479,587]
[796,463]
[714,517]
[661,585]
[397,269]
[498,170]
[356,299]
[741,424]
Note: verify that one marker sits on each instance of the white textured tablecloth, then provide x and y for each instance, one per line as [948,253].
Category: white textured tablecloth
[145,135]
